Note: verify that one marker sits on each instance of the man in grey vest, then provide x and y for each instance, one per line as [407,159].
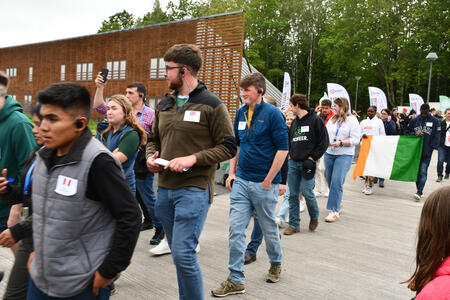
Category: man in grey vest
[85,219]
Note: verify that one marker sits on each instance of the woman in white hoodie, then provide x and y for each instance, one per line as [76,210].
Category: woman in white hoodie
[371,126]
[344,133]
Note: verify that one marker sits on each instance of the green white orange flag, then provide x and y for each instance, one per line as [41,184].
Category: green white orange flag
[391,157]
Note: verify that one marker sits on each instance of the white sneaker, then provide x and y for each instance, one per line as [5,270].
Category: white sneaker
[369,191]
[197,249]
[317,194]
[302,205]
[364,190]
[327,193]
[333,216]
[417,196]
[161,249]
[280,222]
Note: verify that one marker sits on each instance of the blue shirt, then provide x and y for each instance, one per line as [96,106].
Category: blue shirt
[431,129]
[267,134]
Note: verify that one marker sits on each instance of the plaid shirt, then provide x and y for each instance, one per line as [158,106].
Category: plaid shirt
[147,113]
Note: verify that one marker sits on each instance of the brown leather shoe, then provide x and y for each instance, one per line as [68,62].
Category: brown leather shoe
[249,258]
[313,223]
[291,230]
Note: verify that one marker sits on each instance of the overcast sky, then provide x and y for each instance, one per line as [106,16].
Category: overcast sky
[30,21]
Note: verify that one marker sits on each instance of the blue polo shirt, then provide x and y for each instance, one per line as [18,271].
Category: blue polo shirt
[258,144]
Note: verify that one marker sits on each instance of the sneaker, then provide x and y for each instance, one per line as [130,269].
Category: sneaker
[146,225]
[281,223]
[158,236]
[274,273]
[313,223]
[327,193]
[417,196]
[333,216]
[197,249]
[364,190]
[291,230]
[249,258]
[369,191]
[439,179]
[381,184]
[446,176]
[228,287]
[302,205]
[161,249]
[317,194]
[375,180]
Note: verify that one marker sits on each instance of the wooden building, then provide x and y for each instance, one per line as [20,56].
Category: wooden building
[131,55]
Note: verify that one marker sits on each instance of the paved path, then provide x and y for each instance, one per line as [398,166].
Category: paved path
[364,256]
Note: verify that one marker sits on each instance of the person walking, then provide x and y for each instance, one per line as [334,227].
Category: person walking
[321,189]
[192,133]
[444,147]
[375,127]
[308,141]
[344,133]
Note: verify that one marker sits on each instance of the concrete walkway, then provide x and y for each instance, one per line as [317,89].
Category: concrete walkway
[364,256]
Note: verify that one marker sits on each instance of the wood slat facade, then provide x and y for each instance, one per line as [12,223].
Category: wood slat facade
[219,37]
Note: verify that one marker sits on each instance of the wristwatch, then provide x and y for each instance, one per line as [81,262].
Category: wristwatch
[340,143]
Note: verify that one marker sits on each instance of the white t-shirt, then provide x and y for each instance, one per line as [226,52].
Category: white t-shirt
[372,126]
[447,135]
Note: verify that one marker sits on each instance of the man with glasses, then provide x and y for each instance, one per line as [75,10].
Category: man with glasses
[192,133]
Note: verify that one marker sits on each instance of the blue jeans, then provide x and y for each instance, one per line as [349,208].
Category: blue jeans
[246,198]
[284,207]
[145,189]
[34,293]
[257,237]
[182,213]
[336,168]
[422,175]
[297,184]
[443,155]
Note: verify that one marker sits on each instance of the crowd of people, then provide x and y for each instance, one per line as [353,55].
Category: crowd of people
[83,200]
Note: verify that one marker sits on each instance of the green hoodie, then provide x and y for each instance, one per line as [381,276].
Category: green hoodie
[16,143]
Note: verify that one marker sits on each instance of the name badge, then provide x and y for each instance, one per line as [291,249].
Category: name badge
[304,128]
[241,125]
[66,186]
[429,124]
[192,116]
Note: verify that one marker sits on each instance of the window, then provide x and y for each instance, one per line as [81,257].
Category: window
[28,100]
[84,71]
[63,72]
[117,69]
[11,72]
[157,68]
[30,74]
[152,102]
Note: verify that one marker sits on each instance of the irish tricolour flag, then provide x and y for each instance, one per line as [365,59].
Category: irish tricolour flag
[391,157]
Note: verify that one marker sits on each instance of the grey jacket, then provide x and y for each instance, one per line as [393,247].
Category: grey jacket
[72,234]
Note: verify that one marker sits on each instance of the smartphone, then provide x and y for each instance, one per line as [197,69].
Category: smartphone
[104,73]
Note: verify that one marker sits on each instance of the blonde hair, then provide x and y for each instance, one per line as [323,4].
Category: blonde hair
[343,104]
[129,117]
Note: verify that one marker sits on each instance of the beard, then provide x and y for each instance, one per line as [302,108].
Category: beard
[176,84]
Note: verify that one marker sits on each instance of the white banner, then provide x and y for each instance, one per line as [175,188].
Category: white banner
[325,96]
[415,101]
[286,91]
[335,91]
[377,98]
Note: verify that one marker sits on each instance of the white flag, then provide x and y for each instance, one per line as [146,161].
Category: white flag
[335,91]
[377,98]
[286,91]
[415,101]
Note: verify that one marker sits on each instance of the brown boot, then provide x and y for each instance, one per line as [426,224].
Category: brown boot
[291,230]
[313,223]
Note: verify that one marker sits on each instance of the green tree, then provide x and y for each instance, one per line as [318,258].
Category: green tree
[156,16]
[118,21]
